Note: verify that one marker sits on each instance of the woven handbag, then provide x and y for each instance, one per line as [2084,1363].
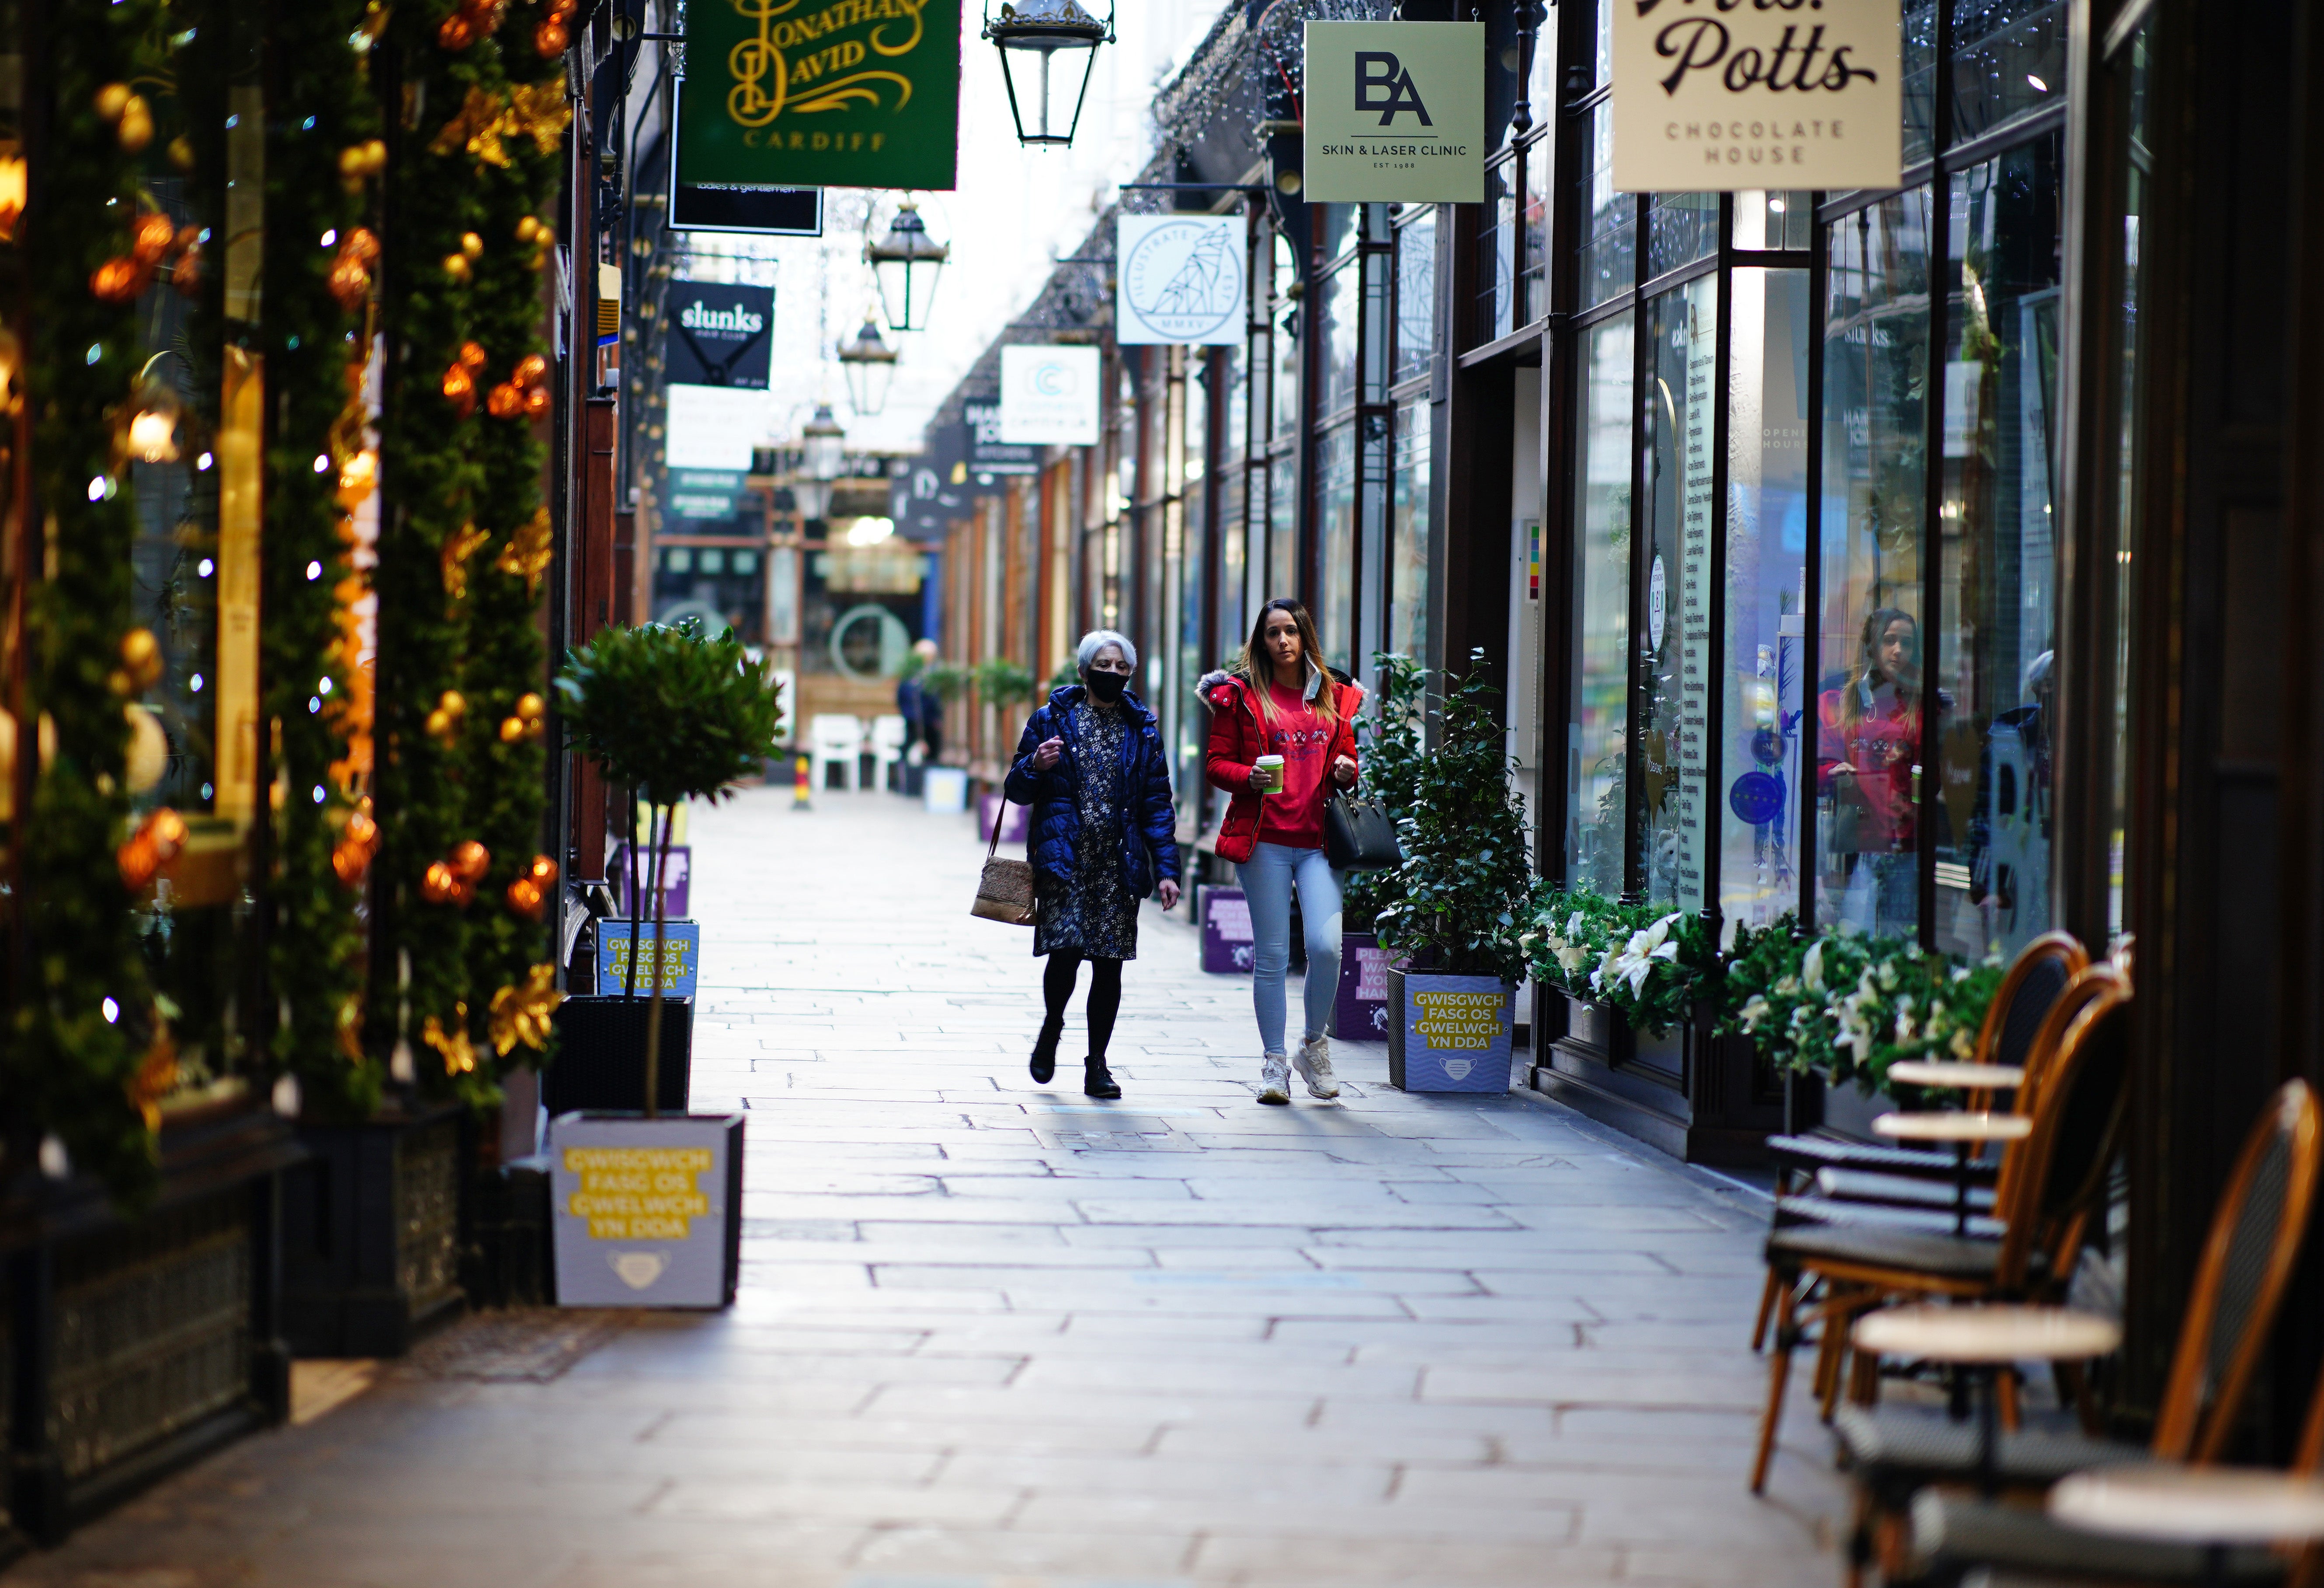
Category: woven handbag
[1360,835]
[1005,891]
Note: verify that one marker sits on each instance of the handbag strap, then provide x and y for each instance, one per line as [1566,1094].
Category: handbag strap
[1000,815]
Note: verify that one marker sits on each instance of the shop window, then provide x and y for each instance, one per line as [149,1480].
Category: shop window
[711,559]
[1533,276]
[2117,576]
[1283,527]
[1998,597]
[1598,715]
[1759,778]
[745,562]
[678,559]
[1234,367]
[1286,377]
[1335,523]
[1868,693]
[1232,563]
[1920,63]
[1681,228]
[1610,226]
[1416,295]
[1338,228]
[1373,376]
[2010,60]
[1408,533]
[1497,252]
[1342,327]
[1774,221]
[1679,425]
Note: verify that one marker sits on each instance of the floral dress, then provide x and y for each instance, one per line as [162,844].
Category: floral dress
[1094,913]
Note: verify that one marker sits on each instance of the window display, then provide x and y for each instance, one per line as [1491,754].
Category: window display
[1678,425]
[1598,716]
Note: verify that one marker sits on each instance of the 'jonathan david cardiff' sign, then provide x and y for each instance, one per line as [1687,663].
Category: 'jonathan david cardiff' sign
[1756,94]
[1395,111]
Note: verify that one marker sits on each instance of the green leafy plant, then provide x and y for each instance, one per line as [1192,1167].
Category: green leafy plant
[1066,676]
[1392,756]
[677,716]
[947,681]
[1000,680]
[1651,966]
[1465,876]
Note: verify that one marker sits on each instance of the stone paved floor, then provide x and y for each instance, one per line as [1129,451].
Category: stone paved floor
[998,1337]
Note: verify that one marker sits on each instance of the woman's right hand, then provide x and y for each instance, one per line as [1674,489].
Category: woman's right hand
[1046,754]
[1262,780]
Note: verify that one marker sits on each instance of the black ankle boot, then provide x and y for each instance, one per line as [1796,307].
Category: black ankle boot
[1045,1052]
[1097,1081]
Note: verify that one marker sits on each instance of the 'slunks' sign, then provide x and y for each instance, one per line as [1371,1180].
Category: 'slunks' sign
[820,94]
[1756,94]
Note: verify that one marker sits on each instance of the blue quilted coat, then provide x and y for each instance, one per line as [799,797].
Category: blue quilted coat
[1149,829]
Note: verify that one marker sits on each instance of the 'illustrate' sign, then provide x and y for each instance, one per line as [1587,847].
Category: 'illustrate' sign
[1395,111]
[1778,94]
[1048,395]
[1179,279]
[821,93]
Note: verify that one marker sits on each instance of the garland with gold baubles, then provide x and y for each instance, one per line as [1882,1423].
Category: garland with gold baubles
[461,888]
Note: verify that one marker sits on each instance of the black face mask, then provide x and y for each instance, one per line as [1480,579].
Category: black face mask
[1108,686]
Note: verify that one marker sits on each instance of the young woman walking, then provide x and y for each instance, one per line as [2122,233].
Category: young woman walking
[1283,739]
[1103,836]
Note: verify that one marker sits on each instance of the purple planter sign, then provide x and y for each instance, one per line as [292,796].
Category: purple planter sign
[1449,1034]
[676,879]
[1226,946]
[1014,819]
[1359,1015]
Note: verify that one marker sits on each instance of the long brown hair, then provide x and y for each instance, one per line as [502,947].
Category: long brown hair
[1856,700]
[1259,668]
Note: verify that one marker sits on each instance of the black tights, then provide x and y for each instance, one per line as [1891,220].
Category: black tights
[1104,996]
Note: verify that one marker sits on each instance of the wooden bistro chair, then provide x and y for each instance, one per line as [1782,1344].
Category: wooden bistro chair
[2049,1181]
[2246,1267]
[1819,1181]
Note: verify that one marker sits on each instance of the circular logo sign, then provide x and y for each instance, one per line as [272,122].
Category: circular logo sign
[1755,798]
[1184,277]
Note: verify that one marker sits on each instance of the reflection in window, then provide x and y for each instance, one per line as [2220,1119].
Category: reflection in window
[1868,643]
[1407,552]
[1610,226]
[1919,29]
[1232,563]
[1774,220]
[1236,374]
[1342,324]
[2000,596]
[1496,252]
[1767,559]
[1335,529]
[1374,373]
[1415,295]
[2009,58]
[2119,577]
[1283,527]
[1598,716]
[1681,228]
[1533,281]
[1287,376]
[1678,413]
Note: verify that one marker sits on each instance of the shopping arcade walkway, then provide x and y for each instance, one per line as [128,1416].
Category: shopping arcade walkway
[994,1334]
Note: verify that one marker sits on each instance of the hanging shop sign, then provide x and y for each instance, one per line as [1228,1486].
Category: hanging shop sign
[847,94]
[1395,111]
[988,455]
[715,426]
[721,335]
[753,207]
[1048,395]
[1180,280]
[707,494]
[1776,95]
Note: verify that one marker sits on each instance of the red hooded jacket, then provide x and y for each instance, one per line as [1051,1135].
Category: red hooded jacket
[1238,739]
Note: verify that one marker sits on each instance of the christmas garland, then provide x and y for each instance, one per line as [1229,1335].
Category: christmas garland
[458,954]
[88,1051]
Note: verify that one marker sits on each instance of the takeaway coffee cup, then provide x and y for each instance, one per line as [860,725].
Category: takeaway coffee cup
[1271,767]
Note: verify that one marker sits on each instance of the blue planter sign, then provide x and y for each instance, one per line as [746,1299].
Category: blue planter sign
[681,957]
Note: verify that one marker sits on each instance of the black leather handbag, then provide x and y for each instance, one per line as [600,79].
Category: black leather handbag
[1360,835]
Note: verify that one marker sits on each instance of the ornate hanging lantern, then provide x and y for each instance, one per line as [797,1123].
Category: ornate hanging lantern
[870,366]
[907,262]
[1031,35]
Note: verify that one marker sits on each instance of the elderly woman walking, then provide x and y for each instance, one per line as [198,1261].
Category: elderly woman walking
[1103,836]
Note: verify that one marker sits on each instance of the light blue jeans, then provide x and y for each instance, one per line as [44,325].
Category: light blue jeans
[1267,879]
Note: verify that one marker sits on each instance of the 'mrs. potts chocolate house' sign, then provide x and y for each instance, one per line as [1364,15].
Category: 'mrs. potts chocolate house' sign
[1757,94]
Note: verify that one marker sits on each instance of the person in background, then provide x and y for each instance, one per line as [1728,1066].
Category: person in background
[917,704]
[1869,769]
[1283,740]
[1102,837]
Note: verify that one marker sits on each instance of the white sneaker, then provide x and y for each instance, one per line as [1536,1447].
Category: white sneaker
[1275,1079]
[1314,1062]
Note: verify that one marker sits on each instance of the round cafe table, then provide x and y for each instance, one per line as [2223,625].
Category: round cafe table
[1963,1131]
[1980,1340]
[2214,1508]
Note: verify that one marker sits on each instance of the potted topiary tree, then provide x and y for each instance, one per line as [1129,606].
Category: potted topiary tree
[648,1207]
[1461,895]
[1393,756]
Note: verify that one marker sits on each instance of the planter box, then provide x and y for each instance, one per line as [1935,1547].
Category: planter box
[1449,1034]
[1360,1013]
[647,1212]
[944,791]
[1226,946]
[134,1347]
[371,1233]
[601,1055]
[1698,1097]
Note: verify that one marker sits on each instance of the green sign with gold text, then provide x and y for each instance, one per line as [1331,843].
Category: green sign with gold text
[820,94]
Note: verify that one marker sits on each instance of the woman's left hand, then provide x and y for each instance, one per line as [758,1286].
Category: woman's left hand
[1344,771]
[1167,890]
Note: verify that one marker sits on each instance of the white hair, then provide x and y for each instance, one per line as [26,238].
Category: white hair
[1096,640]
